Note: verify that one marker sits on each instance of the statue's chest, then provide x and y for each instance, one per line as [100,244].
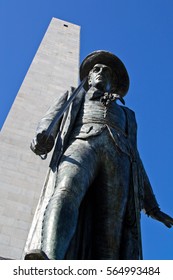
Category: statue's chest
[95,111]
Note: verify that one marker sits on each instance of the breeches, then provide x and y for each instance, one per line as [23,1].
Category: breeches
[83,162]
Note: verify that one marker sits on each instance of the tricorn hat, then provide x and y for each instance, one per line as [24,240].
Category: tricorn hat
[111,60]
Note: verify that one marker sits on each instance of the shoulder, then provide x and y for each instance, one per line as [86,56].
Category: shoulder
[127,110]
[130,113]
[131,119]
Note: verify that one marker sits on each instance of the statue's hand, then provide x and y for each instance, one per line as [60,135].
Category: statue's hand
[161,217]
[41,145]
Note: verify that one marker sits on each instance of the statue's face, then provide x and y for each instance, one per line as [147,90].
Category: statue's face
[100,77]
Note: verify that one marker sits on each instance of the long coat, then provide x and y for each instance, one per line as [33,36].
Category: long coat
[141,195]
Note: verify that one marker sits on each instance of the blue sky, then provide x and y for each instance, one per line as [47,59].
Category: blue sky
[140,32]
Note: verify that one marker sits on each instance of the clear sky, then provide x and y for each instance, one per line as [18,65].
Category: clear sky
[140,32]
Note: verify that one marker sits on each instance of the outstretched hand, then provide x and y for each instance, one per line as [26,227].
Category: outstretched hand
[162,217]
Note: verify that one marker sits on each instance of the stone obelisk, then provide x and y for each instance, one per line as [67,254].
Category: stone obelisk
[53,70]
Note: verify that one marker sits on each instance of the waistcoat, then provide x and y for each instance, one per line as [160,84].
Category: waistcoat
[94,117]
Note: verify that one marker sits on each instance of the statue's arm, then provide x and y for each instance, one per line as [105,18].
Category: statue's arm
[149,199]
[150,204]
[151,207]
[50,115]
[38,145]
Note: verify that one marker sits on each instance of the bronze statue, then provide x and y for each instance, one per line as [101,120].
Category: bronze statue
[99,183]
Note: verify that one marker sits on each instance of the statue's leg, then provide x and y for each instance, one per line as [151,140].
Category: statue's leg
[111,200]
[75,174]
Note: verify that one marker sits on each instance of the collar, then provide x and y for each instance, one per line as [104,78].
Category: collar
[105,97]
[94,93]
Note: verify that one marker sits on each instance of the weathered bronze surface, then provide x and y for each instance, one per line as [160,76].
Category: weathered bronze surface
[97,185]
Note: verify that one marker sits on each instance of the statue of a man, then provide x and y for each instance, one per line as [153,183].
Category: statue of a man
[101,185]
